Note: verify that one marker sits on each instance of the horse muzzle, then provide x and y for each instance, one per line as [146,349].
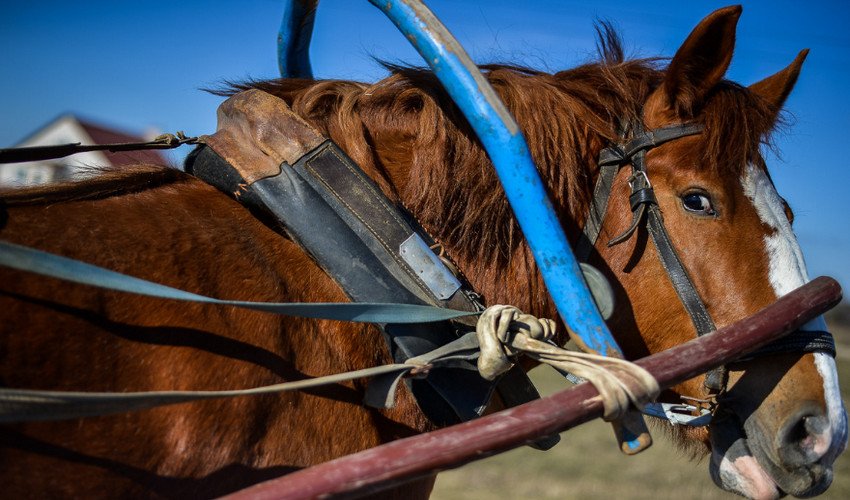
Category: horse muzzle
[766,445]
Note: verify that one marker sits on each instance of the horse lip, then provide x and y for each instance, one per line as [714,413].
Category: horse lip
[801,481]
[741,444]
[732,465]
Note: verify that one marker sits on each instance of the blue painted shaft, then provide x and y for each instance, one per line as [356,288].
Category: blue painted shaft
[293,39]
[500,136]
[509,153]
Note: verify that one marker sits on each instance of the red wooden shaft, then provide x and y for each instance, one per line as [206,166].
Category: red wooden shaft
[400,461]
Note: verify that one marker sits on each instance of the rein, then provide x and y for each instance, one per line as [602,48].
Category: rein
[37,153]
[500,331]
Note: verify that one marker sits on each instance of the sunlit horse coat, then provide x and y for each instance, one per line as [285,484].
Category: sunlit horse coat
[780,426]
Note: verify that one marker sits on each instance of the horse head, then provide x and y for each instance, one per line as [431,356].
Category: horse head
[779,421]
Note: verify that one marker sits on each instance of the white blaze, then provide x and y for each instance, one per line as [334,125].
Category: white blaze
[787,268]
[787,271]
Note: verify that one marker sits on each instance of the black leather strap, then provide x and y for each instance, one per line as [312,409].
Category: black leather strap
[611,159]
[598,209]
[644,204]
[679,277]
[645,208]
[326,204]
[644,196]
[801,341]
[644,141]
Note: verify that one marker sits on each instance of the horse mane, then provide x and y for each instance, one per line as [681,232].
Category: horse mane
[408,123]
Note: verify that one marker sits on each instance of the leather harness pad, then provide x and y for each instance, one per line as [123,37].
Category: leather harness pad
[324,202]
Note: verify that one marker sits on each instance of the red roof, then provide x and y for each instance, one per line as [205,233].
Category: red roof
[102,135]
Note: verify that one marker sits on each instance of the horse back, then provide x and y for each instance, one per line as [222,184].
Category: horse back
[62,336]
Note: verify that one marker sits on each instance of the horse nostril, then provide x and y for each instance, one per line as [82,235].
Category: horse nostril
[804,439]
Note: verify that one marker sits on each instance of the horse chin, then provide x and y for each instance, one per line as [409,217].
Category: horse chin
[739,465]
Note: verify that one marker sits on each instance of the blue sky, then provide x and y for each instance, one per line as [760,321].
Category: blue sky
[139,64]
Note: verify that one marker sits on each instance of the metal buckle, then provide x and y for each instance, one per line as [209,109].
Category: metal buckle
[635,176]
[679,413]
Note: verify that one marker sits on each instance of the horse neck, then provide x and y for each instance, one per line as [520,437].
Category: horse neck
[407,136]
[446,181]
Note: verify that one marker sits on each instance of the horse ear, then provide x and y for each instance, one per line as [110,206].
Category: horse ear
[776,88]
[701,61]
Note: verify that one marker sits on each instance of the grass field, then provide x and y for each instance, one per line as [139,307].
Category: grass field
[586,464]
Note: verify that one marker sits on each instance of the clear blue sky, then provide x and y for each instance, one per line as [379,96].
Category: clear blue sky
[140,64]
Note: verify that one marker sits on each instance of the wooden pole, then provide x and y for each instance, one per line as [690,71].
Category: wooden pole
[400,461]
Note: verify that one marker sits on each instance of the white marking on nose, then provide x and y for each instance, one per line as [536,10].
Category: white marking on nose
[834,407]
[787,271]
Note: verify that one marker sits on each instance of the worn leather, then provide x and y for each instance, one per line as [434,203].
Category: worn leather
[320,198]
[596,212]
[254,118]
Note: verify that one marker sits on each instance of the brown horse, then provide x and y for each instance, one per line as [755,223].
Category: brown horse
[779,427]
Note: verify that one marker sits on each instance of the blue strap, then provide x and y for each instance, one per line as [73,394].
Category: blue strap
[55,266]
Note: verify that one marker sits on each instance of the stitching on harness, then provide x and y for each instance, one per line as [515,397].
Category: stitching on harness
[386,246]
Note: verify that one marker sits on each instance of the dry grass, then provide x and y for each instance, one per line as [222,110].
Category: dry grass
[586,464]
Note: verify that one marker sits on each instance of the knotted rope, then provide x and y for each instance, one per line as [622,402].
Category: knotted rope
[505,332]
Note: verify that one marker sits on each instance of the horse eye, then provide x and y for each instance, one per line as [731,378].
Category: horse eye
[698,203]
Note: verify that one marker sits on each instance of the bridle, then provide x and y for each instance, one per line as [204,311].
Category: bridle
[632,148]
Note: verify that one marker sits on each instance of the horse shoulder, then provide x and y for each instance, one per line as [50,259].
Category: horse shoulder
[183,234]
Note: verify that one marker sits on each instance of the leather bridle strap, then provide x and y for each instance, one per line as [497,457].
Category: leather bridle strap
[682,283]
[645,206]
[611,159]
[645,209]
[597,210]
[800,342]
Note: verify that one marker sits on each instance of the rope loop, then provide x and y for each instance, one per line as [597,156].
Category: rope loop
[504,332]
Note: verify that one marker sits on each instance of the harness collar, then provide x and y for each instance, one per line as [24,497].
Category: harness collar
[302,184]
